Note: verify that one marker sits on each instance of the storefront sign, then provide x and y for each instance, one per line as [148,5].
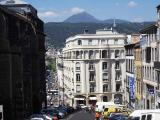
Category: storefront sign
[131,86]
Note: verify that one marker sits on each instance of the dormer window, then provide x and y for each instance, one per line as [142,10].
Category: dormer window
[89,42]
[79,42]
[116,41]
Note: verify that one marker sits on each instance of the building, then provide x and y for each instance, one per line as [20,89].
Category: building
[138,76]
[94,67]
[149,52]
[130,75]
[22,61]
[157,62]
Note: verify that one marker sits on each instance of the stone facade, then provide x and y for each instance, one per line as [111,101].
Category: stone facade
[94,67]
[22,62]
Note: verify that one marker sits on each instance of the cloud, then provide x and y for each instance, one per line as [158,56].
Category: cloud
[55,15]
[15,1]
[48,14]
[74,10]
[132,4]
[138,19]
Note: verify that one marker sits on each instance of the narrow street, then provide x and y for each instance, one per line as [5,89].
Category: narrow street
[81,115]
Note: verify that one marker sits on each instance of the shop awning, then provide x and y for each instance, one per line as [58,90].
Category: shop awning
[79,98]
[92,98]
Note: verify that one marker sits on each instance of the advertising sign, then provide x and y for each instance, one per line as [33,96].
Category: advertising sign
[131,86]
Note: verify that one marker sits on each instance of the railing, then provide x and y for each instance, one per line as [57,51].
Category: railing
[91,68]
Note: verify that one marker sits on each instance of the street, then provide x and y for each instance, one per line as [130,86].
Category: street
[81,115]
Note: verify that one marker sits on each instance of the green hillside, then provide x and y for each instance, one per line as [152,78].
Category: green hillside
[58,32]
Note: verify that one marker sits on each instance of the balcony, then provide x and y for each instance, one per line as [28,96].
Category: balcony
[118,79]
[105,80]
[91,68]
[157,65]
[106,90]
[92,90]
[92,80]
[105,69]
[117,68]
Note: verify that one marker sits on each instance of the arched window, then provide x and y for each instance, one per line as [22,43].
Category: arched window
[79,42]
[117,53]
[91,56]
[78,66]
[105,99]
[105,54]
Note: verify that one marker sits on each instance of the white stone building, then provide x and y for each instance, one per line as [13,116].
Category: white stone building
[94,67]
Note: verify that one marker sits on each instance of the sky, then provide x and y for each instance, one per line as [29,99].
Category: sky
[131,10]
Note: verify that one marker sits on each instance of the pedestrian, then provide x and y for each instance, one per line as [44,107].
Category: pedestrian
[97,115]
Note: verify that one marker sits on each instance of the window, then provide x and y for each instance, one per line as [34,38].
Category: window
[105,54]
[105,76]
[92,87]
[105,88]
[79,42]
[117,65]
[116,53]
[118,86]
[91,56]
[78,66]
[104,65]
[91,66]
[103,42]
[92,77]
[78,88]
[143,117]
[78,77]
[116,41]
[149,117]
[118,75]
[89,42]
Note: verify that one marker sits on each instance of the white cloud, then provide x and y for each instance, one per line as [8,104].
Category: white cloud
[54,15]
[138,19]
[76,10]
[73,10]
[132,4]
[48,14]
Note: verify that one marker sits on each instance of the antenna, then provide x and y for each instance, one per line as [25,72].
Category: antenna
[114,23]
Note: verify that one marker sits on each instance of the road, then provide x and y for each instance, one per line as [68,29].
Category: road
[81,115]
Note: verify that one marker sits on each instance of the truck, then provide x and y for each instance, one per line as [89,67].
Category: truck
[100,106]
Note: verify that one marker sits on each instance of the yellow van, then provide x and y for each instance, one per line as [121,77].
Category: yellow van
[109,110]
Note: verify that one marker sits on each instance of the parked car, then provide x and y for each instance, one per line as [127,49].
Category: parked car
[117,117]
[39,117]
[52,112]
[61,113]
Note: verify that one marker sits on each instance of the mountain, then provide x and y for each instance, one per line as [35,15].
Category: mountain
[82,17]
[85,17]
[56,33]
